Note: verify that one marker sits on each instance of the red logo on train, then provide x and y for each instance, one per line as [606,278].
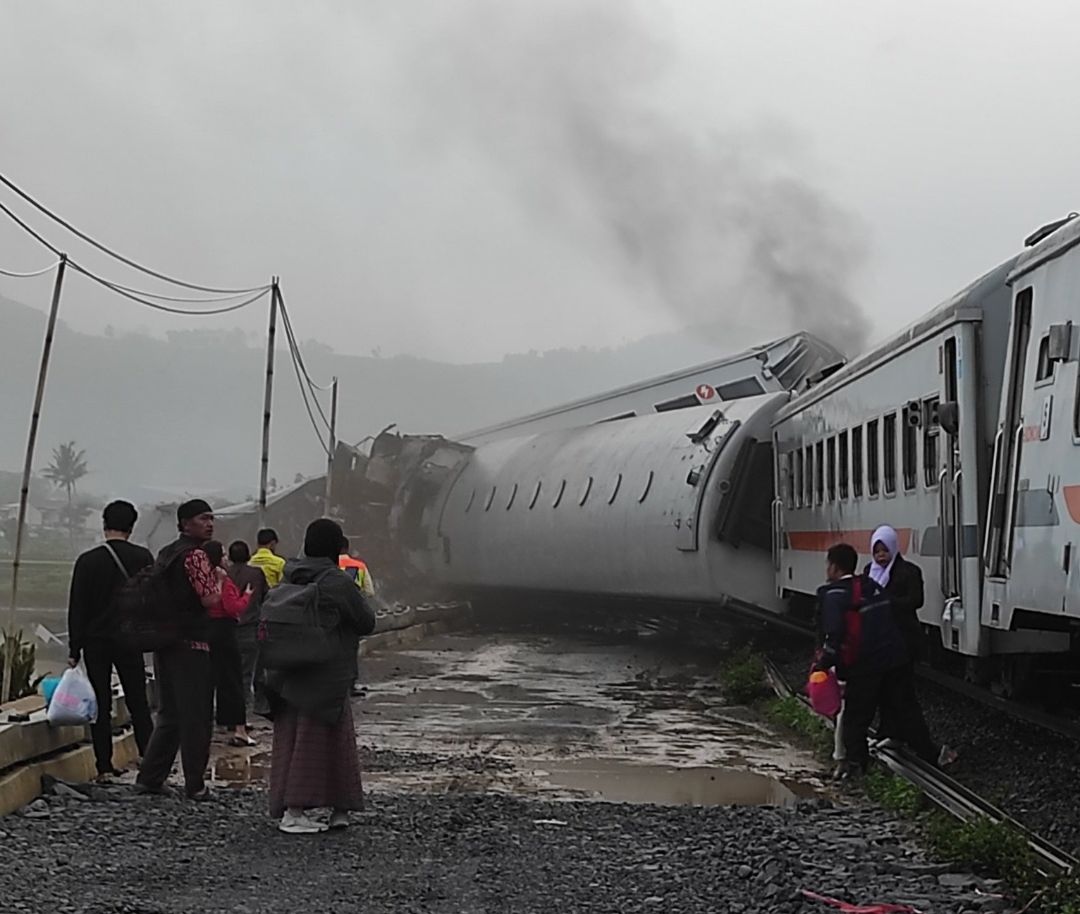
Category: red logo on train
[705,392]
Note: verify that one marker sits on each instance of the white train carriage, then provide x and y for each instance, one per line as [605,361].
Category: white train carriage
[674,506]
[950,433]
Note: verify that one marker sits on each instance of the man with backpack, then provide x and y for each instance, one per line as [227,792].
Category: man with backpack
[865,645]
[93,634]
[184,580]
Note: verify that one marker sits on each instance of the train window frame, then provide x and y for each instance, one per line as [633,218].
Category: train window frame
[857,462]
[931,441]
[830,467]
[1076,408]
[909,450]
[469,503]
[648,486]
[888,454]
[513,495]
[843,465]
[615,490]
[819,472]
[808,479]
[535,494]
[490,498]
[873,458]
[1045,370]
[585,492]
[787,483]
[559,495]
[797,481]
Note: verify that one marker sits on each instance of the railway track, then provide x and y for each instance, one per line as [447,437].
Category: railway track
[946,792]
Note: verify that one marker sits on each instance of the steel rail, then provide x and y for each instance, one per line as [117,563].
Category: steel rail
[943,790]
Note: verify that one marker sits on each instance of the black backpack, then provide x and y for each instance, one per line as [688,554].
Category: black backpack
[148,614]
[293,631]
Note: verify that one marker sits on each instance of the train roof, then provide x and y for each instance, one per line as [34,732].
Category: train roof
[1049,242]
[760,351]
[966,302]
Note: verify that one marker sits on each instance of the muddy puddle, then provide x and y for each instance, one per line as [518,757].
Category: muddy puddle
[558,717]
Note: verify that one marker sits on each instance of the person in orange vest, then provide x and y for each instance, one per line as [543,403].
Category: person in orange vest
[358,571]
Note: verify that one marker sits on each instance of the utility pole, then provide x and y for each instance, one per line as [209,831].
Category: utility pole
[328,504]
[268,394]
[28,467]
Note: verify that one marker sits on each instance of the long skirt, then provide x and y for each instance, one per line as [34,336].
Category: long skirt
[314,764]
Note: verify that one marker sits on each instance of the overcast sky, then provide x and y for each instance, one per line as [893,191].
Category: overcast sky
[463,178]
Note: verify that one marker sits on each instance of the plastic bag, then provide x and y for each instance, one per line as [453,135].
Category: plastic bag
[824,692]
[73,703]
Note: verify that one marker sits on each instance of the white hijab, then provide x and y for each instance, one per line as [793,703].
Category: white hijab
[888,538]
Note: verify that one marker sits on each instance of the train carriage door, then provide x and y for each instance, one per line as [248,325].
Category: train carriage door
[1007,444]
[954,446]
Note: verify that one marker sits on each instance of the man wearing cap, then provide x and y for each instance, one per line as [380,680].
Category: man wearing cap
[185,719]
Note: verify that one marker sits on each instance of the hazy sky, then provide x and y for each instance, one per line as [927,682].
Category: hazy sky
[462,178]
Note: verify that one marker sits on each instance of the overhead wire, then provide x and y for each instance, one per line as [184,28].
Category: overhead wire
[289,331]
[15,275]
[296,360]
[110,252]
[298,356]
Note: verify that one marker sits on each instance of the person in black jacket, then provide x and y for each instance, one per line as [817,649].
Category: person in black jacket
[92,635]
[902,583]
[314,762]
[864,644]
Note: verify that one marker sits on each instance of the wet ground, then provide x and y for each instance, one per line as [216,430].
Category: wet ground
[567,715]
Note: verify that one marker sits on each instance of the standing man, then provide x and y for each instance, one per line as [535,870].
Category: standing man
[244,576]
[185,720]
[266,558]
[92,630]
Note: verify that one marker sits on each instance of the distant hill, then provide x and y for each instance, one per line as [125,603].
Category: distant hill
[183,414]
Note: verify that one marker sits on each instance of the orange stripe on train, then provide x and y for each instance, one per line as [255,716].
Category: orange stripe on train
[823,540]
[1072,501]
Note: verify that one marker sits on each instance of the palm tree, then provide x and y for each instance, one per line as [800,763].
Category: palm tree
[67,468]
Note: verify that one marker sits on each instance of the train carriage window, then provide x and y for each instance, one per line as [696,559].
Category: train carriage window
[513,495]
[615,489]
[808,487]
[931,441]
[856,462]
[788,481]
[559,494]
[586,489]
[842,463]
[1076,410]
[1044,369]
[535,495]
[645,491]
[490,499]
[909,444]
[888,453]
[819,472]
[873,464]
[830,467]
[469,504]
[797,482]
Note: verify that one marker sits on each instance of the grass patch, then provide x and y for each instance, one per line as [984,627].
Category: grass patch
[893,793]
[792,715]
[743,677]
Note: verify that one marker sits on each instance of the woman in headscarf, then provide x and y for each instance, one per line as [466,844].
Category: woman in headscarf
[902,582]
[315,762]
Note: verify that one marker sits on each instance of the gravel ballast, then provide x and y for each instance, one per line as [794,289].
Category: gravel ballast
[121,854]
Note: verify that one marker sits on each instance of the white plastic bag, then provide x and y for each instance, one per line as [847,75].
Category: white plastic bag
[73,703]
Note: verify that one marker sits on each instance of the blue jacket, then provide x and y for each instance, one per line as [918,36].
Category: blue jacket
[872,645]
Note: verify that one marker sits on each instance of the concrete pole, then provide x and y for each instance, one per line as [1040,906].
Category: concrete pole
[28,467]
[268,394]
[333,447]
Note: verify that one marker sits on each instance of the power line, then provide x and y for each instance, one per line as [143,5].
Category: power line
[298,361]
[191,299]
[304,396]
[289,331]
[120,290]
[12,273]
[107,250]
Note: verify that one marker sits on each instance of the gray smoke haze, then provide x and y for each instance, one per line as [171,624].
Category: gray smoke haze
[710,217]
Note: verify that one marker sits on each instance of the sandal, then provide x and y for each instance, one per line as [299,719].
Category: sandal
[242,742]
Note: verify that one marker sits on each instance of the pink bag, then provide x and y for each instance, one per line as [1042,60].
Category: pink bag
[824,691]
